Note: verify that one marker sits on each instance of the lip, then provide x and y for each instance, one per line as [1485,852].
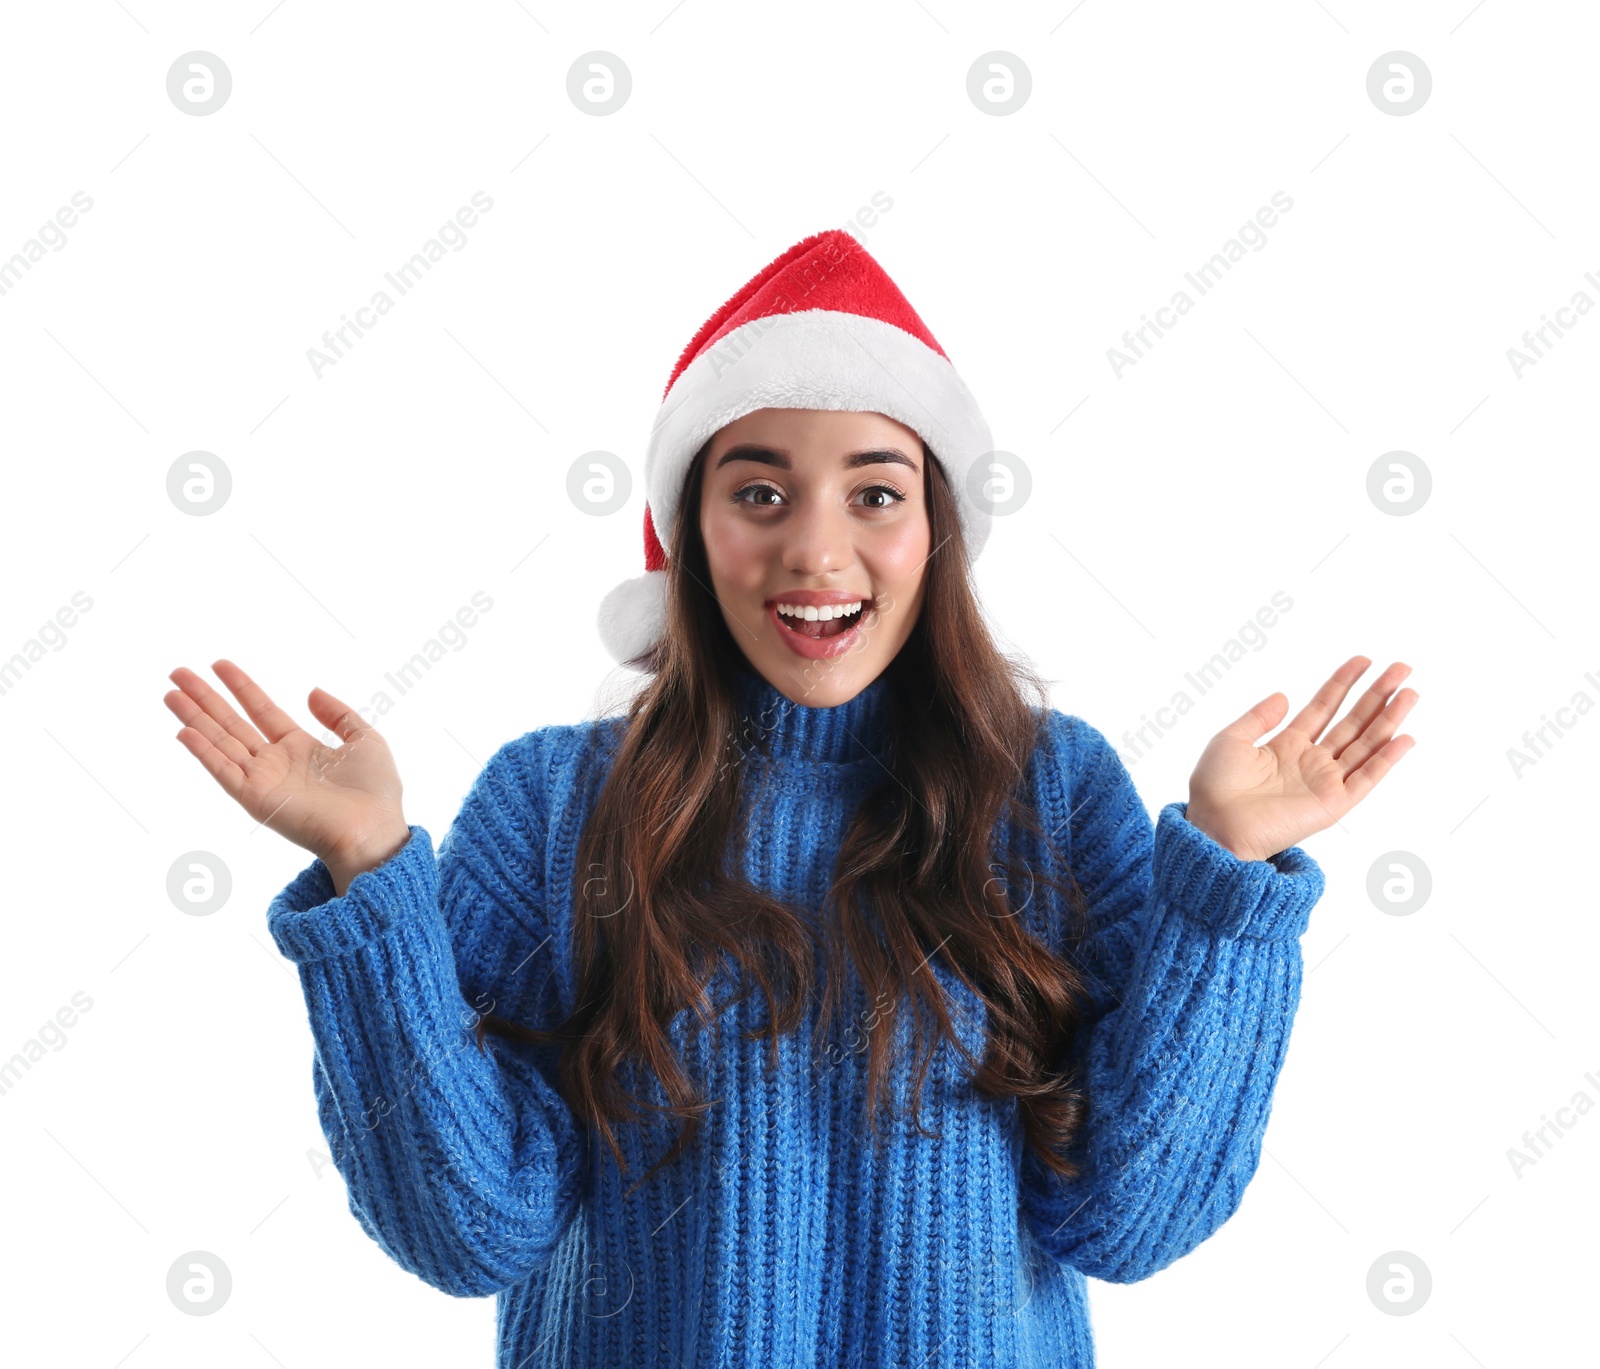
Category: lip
[816,598]
[825,648]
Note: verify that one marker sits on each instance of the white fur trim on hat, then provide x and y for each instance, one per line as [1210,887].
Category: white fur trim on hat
[818,359]
[633,615]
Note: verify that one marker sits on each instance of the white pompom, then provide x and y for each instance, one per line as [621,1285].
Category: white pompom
[633,615]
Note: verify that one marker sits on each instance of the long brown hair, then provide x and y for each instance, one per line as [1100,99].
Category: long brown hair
[660,912]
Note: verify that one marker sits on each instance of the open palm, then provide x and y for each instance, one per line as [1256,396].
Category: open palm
[336,802]
[1259,800]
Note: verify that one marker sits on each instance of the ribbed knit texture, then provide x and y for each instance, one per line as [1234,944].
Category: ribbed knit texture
[782,1237]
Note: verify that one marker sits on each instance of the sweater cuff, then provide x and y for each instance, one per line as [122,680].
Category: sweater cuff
[1230,896]
[308,921]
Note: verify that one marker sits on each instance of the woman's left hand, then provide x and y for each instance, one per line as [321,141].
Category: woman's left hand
[1260,800]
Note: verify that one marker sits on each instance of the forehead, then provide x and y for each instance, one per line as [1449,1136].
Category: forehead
[763,454]
[787,439]
[842,427]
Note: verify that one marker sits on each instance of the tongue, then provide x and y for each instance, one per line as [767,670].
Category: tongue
[816,629]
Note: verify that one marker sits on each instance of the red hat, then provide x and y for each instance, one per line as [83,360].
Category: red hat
[820,327]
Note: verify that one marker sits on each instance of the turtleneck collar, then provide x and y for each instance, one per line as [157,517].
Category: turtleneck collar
[855,730]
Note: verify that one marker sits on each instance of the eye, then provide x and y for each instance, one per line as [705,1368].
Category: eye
[895,495]
[739,496]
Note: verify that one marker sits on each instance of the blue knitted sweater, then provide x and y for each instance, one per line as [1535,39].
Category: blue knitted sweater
[783,1237]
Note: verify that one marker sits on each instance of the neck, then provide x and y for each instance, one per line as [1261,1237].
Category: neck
[855,730]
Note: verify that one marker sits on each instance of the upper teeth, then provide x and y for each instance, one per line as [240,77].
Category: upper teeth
[815,614]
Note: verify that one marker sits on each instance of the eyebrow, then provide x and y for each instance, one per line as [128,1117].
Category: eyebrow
[776,456]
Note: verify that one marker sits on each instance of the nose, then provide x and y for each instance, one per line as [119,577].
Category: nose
[818,538]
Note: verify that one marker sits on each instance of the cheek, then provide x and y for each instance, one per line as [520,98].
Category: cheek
[900,554]
[736,549]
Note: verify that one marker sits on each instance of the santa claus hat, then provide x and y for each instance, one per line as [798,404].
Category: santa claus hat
[820,327]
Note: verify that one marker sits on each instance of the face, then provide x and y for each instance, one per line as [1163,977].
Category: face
[805,513]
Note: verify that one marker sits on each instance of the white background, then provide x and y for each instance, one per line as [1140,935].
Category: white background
[369,504]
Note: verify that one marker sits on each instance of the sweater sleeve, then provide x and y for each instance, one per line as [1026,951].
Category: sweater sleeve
[464,1165]
[1193,957]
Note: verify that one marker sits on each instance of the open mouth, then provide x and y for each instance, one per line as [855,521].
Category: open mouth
[793,619]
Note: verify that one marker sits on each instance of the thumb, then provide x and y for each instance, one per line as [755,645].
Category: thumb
[1255,724]
[336,715]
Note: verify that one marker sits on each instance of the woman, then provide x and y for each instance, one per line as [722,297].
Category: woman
[837,1003]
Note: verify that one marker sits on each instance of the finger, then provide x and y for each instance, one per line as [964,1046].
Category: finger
[274,723]
[1378,731]
[223,770]
[1359,783]
[1311,719]
[198,689]
[195,717]
[1266,715]
[1367,707]
[336,715]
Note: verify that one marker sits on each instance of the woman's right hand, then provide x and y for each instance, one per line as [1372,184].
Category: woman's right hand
[340,803]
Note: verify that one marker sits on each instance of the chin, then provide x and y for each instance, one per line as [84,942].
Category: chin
[824,683]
